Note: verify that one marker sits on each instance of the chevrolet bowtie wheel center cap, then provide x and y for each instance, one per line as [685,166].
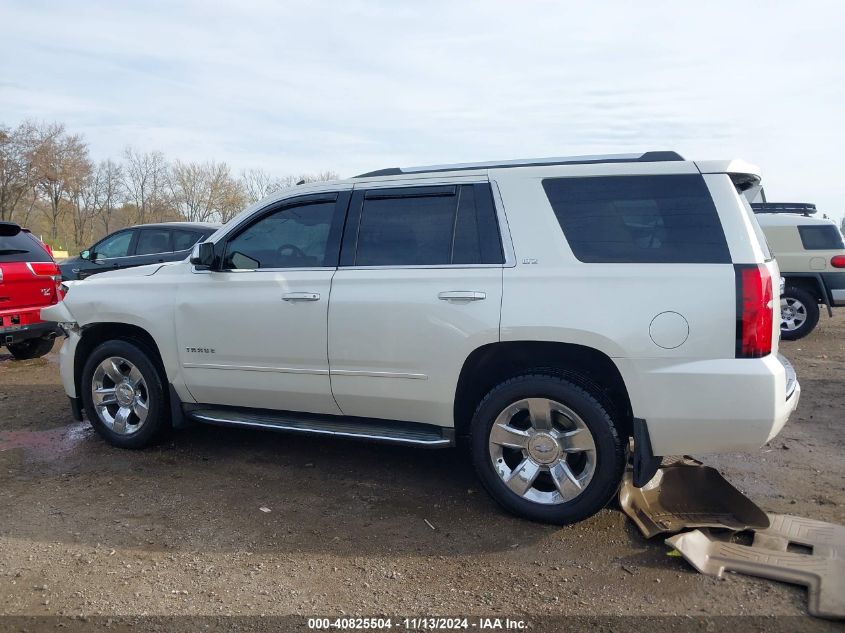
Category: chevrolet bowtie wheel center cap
[124,394]
[543,449]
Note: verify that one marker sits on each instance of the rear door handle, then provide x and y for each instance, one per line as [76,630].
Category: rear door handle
[301,296]
[462,295]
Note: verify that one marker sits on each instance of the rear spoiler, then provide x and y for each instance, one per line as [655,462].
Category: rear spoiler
[745,176]
[805,208]
[9,229]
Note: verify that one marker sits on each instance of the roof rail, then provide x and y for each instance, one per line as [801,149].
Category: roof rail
[804,208]
[644,157]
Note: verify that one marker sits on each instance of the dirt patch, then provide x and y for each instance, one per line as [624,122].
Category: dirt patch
[89,529]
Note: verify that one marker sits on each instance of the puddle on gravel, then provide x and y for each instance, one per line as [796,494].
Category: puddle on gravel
[48,444]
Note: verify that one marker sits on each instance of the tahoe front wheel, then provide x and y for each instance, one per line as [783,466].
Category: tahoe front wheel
[123,394]
[546,449]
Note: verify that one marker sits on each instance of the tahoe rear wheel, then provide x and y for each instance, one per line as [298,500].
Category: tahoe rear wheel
[123,395]
[31,348]
[546,449]
[799,313]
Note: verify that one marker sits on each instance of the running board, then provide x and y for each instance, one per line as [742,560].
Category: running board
[388,431]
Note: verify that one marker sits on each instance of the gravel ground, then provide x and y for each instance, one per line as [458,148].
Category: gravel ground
[352,528]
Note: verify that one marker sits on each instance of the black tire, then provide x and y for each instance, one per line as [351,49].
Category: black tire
[811,307]
[157,418]
[609,448]
[30,348]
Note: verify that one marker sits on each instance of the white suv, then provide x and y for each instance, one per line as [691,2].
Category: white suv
[545,310]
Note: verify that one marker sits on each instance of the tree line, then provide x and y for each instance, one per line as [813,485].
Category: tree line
[50,184]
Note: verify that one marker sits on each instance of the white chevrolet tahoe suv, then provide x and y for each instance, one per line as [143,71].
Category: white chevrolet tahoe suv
[552,312]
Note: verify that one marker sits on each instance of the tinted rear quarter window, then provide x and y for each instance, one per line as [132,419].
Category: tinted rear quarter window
[183,240]
[639,219]
[821,238]
[418,226]
[153,241]
[22,248]
[477,239]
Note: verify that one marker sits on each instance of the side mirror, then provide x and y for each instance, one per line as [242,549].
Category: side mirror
[86,255]
[202,255]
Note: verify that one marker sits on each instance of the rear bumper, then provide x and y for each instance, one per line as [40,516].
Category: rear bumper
[712,406]
[18,333]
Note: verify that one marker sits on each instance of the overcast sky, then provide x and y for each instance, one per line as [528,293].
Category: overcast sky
[358,85]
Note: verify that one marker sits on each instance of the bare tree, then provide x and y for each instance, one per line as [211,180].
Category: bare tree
[86,198]
[319,176]
[18,175]
[110,177]
[62,165]
[46,172]
[146,183]
[257,184]
[231,200]
[205,191]
[29,203]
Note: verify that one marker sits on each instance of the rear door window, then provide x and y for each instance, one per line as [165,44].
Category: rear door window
[427,226]
[183,240]
[639,219]
[22,248]
[410,227]
[153,241]
[821,238]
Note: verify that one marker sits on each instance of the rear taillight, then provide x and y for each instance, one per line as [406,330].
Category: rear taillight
[838,261]
[44,269]
[48,269]
[754,311]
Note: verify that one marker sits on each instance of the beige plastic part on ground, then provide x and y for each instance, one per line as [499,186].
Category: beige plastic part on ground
[822,572]
[685,495]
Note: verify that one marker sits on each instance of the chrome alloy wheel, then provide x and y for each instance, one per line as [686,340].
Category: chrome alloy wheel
[120,395]
[793,313]
[542,450]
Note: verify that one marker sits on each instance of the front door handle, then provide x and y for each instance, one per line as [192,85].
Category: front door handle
[301,296]
[462,295]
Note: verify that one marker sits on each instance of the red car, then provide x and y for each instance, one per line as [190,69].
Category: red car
[29,280]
